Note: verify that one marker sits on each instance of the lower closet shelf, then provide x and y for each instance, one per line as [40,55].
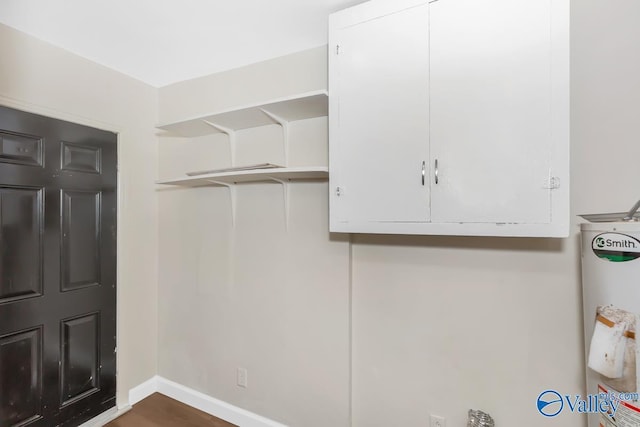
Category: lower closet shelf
[252,175]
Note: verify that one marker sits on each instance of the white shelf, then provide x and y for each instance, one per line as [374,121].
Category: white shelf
[300,107]
[280,112]
[253,175]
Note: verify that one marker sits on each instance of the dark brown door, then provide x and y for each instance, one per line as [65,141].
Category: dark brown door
[57,270]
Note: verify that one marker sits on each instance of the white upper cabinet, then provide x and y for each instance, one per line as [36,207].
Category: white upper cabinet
[383,136]
[450,117]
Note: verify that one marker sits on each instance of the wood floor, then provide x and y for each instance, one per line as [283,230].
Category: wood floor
[159,410]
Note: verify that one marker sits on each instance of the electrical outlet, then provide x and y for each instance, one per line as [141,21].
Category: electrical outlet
[241,377]
[436,421]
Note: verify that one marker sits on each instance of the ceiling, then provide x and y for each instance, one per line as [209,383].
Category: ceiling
[165,41]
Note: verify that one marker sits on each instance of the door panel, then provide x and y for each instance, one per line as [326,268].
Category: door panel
[80,357]
[490,101]
[20,149]
[80,239]
[382,119]
[21,389]
[21,222]
[81,158]
[58,185]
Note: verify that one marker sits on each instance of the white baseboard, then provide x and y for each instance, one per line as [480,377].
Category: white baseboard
[201,401]
[143,390]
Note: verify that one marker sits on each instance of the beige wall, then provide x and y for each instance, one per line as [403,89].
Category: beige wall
[264,294]
[37,77]
[256,83]
[439,324]
[442,325]
[390,328]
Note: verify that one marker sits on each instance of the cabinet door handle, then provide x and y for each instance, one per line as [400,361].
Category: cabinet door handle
[436,170]
[423,171]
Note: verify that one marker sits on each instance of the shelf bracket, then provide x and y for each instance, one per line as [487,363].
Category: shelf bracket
[284,124]
[232,198]
[285,196]
[232,138]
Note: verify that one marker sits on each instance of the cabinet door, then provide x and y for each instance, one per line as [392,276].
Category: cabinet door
[379,115]
[491,123]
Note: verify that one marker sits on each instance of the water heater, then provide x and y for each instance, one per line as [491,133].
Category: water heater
[611,276]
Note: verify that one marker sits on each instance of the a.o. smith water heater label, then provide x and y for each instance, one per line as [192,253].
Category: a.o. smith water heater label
[616,247]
